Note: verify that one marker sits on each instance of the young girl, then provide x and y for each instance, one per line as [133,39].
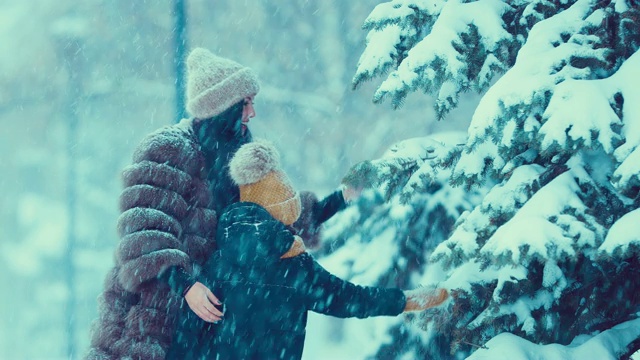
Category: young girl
[260,261]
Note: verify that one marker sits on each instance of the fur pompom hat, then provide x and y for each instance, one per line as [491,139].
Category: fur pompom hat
[214,83]
[256,169]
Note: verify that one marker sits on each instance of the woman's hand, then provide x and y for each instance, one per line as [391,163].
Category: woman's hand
[201,301]
[350,193]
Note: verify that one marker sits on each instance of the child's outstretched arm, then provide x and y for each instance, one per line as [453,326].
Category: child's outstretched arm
[325,293]
[328,294]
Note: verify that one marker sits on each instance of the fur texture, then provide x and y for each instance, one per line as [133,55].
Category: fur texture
[306,226]
[253,161]
[164,222]
[194,190]
[136,272]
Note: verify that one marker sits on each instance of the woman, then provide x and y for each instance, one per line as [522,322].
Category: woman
[172,191]
[267,280]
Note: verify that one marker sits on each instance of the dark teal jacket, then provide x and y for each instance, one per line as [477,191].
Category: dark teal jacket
[266,298]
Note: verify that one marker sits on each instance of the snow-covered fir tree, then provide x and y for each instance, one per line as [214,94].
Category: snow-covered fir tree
[550,255]
[385,239]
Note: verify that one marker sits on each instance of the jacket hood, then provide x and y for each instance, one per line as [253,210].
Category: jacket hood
[247,233]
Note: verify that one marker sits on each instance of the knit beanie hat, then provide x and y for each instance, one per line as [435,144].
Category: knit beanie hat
[215,83]
[256,169]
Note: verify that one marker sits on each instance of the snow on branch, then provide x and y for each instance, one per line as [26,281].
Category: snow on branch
[411,166]
[519,99]
[401,12]
[601,345]
[626,80]
[546,227]
[377,60]
[623,239]
[393,28]
[466,39]
[580,115]
[473,229]
[590,113]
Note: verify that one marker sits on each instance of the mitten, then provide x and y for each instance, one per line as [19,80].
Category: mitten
[424,298]
[296,249]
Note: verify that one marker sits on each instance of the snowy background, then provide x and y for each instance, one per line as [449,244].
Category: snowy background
[522,201]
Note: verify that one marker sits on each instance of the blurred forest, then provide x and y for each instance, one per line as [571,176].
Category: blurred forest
[81,82]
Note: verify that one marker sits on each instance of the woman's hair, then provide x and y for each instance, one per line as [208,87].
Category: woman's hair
[229,122]
[221,136]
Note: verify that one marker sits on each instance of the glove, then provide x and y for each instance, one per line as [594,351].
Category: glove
[296,249]
[425,298]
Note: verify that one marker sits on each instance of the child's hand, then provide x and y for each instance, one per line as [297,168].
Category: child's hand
[422,299]
[296,249]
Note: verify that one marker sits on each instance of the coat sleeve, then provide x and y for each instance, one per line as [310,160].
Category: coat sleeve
[164,222]
[327,294]
[328,207]
[314,213]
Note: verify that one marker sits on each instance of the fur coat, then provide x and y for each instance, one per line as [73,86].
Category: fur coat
[167,221]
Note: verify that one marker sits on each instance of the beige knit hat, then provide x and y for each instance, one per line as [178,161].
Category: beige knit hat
[215,83]
[255,168]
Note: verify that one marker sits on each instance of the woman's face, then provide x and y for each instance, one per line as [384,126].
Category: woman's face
[247,112]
